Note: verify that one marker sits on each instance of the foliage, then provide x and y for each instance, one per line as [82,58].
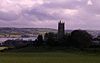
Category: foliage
[39,41]
[50,39]
[80,39]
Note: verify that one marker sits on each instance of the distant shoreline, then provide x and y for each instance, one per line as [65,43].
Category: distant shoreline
[4,39]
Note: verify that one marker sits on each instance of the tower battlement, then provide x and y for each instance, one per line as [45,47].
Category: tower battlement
[61,29]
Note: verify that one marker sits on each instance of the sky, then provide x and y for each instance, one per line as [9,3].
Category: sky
[77,14]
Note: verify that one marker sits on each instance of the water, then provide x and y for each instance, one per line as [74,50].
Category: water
[4,39]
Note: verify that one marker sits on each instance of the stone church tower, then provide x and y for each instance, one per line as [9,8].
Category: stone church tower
[61,30]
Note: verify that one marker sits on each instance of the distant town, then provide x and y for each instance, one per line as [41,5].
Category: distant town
[10,32]
[23,32]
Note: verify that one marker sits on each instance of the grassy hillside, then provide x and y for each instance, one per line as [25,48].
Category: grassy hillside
[50,57]
[41,55]
[6,30]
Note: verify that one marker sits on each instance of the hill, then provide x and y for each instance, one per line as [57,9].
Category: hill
[9,30]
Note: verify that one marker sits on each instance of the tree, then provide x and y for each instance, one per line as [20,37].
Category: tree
[50,39]
[67,40]
[80,39]
[39,40]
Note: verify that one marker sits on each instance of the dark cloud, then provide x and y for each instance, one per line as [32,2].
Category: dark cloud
[40,14]
[69,4]
[8,16]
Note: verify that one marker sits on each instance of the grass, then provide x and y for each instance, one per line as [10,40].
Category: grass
[41,55]
[2,48]
[49,57]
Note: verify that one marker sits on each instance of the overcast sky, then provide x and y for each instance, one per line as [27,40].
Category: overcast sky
[77,14]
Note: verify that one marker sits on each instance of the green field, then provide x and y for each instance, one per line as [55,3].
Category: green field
[49,57]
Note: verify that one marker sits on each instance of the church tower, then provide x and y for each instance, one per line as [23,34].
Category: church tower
[61,30]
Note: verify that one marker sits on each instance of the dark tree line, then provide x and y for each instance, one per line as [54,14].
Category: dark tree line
[76,39]
[80,39]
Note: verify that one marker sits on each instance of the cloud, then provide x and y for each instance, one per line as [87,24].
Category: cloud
[8,16]
[40,14]
[46,13]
